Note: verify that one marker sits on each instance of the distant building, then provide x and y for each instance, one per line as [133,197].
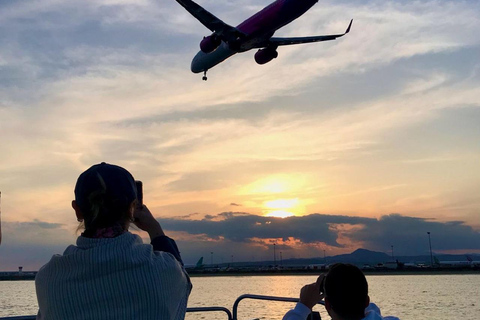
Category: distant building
[322,266]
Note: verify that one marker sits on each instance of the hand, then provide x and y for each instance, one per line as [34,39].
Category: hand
[144,219]
[310,294]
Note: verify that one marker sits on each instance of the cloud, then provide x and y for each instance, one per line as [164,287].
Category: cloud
[199,181]
[35,232]
[40,224]
[31,256]
[407,234]
[421,85]
[250,237]
[32,243]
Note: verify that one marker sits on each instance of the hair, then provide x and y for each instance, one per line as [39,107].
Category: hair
[347,290]
[102,212]
[105,193]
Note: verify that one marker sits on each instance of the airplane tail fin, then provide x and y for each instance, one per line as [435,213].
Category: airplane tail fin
[436,260]
[199,263]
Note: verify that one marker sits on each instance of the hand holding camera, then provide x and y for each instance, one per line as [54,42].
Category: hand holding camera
[312,293]
[143,218]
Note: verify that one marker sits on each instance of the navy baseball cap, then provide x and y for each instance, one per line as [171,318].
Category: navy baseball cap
[115,183]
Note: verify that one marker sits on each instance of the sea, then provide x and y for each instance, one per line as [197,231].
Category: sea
[409,297]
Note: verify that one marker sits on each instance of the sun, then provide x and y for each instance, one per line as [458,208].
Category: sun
[276,208]
[274,195]
[279,214]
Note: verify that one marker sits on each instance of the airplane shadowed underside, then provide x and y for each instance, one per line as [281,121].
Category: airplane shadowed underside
[254,33]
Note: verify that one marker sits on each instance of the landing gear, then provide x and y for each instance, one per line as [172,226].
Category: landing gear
[204,78]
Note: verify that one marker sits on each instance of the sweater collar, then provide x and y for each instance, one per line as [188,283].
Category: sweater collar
[87,243]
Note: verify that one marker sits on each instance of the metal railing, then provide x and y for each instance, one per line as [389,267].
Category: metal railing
[230,315]
[208,309]
[260,297]
[195,309]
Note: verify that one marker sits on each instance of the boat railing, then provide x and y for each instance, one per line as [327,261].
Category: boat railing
[230,315]
[260,297]
[210,309]
[193,309]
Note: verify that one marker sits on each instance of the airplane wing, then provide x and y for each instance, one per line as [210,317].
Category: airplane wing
[213,23]
[288,41]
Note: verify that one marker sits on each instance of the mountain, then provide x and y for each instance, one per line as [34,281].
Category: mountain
[361,256]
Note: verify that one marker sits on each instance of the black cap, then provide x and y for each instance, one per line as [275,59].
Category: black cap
[115,183]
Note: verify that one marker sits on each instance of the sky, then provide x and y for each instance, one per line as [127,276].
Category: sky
[369,141]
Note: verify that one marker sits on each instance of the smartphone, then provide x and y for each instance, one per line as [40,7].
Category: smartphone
[139,185]
[322,285]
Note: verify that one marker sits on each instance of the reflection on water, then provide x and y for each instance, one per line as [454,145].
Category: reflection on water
[406,296]
[227,289]
[17,298]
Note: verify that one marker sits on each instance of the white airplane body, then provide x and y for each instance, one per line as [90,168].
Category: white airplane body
[465,263]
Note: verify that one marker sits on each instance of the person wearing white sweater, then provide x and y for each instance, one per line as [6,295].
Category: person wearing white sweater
[345,291]
[110,273]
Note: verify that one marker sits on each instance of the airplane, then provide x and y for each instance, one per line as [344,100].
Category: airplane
[468,263]
[198,266]
[254,33]
[475,263]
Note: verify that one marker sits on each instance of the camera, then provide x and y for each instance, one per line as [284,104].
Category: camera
[139,185]
[322,285]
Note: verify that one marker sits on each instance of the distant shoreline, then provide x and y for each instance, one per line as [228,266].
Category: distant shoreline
[292,273]
[16,278]
[367,273]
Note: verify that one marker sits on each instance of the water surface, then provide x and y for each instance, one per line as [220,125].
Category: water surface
[410,297]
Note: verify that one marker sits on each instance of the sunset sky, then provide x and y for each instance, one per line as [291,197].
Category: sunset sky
[366,142]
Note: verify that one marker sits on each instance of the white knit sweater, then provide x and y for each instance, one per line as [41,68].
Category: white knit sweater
[116,278]
[301,312]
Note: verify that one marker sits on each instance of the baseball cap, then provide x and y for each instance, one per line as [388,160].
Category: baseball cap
[115,183]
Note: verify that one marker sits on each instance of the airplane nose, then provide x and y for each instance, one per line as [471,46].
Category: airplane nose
[196,65]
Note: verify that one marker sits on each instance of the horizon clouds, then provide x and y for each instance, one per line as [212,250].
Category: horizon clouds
[250,237]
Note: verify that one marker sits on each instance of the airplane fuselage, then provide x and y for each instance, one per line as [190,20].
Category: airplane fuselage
[264,23]
[257,29]
[459,263]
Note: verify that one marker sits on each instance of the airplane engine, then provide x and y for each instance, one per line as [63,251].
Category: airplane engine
[210,43]
[265,55]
